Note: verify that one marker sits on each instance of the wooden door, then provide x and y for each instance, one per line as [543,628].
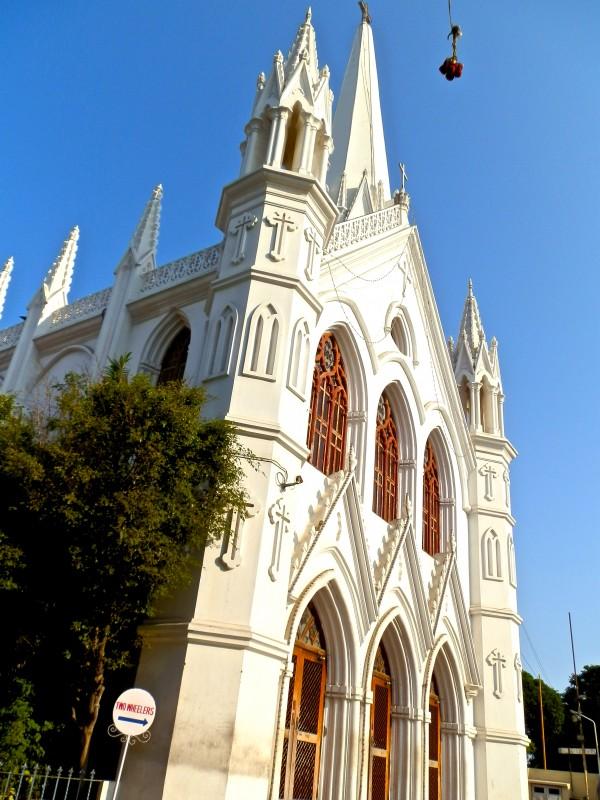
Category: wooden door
[435,750]
[380,738]
[304,718]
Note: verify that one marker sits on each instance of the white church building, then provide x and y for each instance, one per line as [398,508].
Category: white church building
[356,636]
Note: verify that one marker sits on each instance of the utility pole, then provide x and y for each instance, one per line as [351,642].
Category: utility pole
[581,737]
[542,720]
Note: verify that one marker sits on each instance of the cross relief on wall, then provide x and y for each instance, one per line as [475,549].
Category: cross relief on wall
[282,224]
[279,517]
[314,249]
[489,474]
[497,662]
[239,228]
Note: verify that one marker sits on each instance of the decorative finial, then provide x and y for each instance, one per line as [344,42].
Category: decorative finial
[364,7]
[158,191]
[470,288]
[260,81]
[278,57]
[308,15]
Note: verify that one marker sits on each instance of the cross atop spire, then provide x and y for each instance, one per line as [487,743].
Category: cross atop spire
[358,138]
[5,274]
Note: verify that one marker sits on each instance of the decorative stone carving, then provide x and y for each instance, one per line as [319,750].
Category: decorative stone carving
[506,477]
[319,514]
[519,677]
[314,249]
[497,662]
[240,228]
[88,306]
[442,565]
[489,474]
[355,230]
[280,518]
[231,546]
[282,224]
[182,269]
[388,552]
[10,336]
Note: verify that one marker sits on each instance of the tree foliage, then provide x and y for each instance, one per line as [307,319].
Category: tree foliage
[554,715]
[122,485]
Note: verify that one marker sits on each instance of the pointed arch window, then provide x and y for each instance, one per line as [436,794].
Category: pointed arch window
[435,744]
[491,556]
[380,727]
[328,408]
[304,716]
[385,483]
[174,360]
[431,502]
[263,338]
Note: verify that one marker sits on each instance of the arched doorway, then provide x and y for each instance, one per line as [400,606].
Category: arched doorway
[380,740]
[435,744]
[304,716]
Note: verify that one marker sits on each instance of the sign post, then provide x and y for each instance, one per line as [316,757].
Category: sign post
[133,714]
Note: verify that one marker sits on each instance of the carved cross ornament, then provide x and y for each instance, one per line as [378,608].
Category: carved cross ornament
[313,251]
[239,228]
[519,671]
[282,223]
[280,518]
[489,473]
[497,662]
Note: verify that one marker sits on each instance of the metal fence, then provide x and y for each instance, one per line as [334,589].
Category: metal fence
[39,782]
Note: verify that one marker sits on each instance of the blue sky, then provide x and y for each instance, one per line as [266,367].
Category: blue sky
[103,100]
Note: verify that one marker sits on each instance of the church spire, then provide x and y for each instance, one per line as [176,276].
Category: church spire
[5,274]
[359,159]
[304,48]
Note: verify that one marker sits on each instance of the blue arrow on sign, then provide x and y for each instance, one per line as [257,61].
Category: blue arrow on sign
[135,721]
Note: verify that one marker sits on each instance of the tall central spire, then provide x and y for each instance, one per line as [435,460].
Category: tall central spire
[359,158]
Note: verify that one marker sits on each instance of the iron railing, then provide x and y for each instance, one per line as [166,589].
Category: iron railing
[39,782]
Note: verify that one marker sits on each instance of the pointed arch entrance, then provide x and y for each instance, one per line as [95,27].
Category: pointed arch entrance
[304,715]
[381,729]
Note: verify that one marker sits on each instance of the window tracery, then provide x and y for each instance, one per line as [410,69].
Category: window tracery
[431,502]
[385,483]
[263,339]
[492,556]
[328,408]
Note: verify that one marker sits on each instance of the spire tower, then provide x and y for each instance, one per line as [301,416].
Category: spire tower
[358,176]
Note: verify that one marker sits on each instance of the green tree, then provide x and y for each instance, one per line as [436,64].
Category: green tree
[554,716]
[132,483]
[589,694]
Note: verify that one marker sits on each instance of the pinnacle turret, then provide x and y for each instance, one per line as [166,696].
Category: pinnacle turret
[54,291]
[145,236]
[5,274]
[477,370]
[290,125]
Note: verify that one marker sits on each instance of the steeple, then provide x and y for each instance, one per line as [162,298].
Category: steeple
[477,371]
[54,292]
[5,274]
[290,125]
[145,237]
[359,168]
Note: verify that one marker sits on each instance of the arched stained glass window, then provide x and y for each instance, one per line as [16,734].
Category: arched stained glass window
[385,483]
[431,503]
[328,408]
[175,358]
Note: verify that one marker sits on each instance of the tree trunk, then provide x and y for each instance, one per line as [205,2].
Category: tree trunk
[87,725]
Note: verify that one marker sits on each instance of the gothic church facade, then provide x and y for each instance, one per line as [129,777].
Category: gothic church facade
[356,635]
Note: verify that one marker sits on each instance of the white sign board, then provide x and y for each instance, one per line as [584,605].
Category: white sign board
[134,712]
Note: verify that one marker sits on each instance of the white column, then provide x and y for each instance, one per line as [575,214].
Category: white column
[279,117]
[307,148]
[253,131]
[325,144]
[501,413]
[476,405]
